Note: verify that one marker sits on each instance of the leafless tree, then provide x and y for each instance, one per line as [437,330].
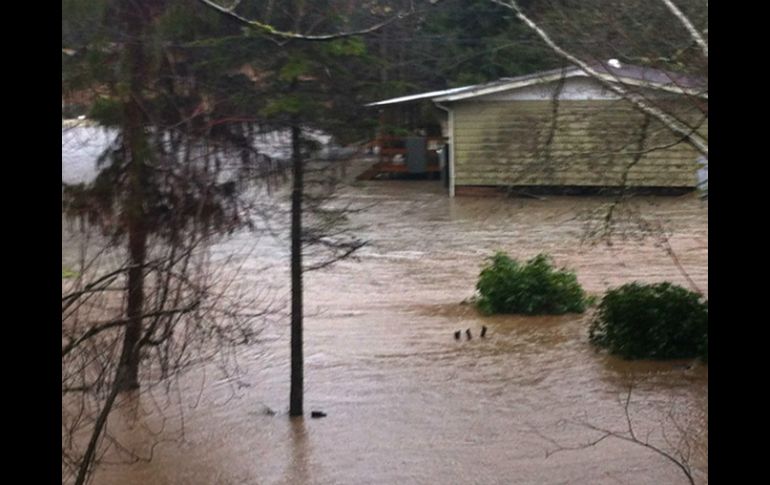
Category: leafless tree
[195,311]
[151,302]
[573,32]
[679,440]
[673,40]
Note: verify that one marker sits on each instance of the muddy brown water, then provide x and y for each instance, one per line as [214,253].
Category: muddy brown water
[406,402]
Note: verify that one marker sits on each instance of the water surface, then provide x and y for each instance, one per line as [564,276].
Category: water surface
[406,402]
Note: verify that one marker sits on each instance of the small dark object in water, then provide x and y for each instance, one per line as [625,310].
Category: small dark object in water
[457,334]
[468,333]
[317,414]
[483,330]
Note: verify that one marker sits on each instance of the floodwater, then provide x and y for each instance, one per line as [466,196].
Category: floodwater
[406,402]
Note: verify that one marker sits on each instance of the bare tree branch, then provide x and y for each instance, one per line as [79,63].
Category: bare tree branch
[101,421]
[678,457]
[689,26]
[100,327]
[273,32]
[697,141]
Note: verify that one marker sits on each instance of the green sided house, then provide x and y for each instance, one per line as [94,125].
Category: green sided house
[562,130]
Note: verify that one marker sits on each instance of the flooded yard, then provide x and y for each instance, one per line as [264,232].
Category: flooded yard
[406,402]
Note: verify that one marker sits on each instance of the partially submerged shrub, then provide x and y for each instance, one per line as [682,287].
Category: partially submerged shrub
[659,321]
[534,288]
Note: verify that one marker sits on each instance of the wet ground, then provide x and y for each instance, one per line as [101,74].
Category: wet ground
[406,402]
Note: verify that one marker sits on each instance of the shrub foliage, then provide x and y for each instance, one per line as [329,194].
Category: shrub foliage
[659,321]
[533,288]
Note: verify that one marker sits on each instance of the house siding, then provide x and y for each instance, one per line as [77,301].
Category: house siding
[587,143]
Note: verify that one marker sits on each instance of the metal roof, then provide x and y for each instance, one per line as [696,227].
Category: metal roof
[415,97]
[625,74]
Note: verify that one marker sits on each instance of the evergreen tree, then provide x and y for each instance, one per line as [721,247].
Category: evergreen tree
[168,78]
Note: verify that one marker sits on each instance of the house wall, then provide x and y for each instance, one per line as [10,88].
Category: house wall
[568,142]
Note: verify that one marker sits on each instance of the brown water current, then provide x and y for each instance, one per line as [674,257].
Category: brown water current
[409,404]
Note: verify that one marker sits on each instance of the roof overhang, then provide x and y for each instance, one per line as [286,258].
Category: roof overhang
[483,90]
[417,97]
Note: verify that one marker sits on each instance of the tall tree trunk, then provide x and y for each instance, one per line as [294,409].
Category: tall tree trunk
[135,17]
[297,379]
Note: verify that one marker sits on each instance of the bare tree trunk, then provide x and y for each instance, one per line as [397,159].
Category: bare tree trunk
[101,422]
[128,375]
[136,147]
[297,379]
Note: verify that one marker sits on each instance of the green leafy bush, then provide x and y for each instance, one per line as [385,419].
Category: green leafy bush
[534,288]
[659,321]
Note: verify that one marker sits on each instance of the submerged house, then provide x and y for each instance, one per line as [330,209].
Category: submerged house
[565,131]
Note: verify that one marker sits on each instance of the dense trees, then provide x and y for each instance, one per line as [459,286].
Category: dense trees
[186,91]
[167,80]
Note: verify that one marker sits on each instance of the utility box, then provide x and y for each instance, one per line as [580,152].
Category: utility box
[416,154]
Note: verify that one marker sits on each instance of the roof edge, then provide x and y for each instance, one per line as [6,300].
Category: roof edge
[507,84]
